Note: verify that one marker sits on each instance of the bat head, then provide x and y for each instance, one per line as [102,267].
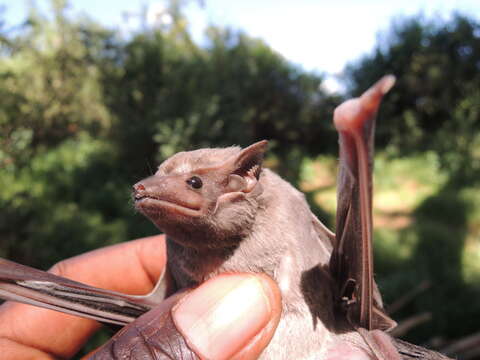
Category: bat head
[209,193]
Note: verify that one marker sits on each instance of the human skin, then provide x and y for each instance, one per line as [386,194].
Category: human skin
[29,332]
[133,268]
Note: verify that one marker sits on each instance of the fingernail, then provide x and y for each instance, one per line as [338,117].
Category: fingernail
[223,315]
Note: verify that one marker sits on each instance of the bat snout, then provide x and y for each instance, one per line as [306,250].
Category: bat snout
[166,194]
[138,187]
[138,191]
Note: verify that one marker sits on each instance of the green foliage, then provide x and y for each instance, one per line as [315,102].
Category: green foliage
[86,114]
[433,249]
[434,107]
[441,226]
[50,86]
[435,104]
[67,200]
[177,96]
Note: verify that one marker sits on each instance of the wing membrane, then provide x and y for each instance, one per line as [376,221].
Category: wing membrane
[352,258]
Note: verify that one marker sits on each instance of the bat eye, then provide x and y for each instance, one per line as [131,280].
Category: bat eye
[195,182]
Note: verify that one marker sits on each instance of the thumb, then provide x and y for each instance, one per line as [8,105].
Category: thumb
[232,316]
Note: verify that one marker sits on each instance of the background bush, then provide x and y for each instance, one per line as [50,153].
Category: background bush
[85,114]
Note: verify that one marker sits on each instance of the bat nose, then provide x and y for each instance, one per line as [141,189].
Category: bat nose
[138,189]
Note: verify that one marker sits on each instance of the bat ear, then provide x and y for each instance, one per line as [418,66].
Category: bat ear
[247,166]
[249,161]
[243,171]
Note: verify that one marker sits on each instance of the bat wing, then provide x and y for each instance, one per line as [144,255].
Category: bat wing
[35,287]
[326,237]
[352,258]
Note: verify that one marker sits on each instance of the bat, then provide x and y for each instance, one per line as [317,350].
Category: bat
[352,260]
[351,263]
[223,212]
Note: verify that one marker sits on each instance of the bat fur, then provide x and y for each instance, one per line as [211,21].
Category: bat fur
[267,228]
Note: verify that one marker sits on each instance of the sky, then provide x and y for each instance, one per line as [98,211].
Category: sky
[319,35]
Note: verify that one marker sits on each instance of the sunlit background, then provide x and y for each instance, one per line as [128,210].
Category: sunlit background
[94,94]
[302,31]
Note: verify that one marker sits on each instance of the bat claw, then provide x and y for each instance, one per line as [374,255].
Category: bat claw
[371,98]
[351,115]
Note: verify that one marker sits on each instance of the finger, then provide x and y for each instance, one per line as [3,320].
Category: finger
[232,316]
[128,267]
[132,267]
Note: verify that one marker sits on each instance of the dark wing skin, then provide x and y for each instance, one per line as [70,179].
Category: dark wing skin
[352,258]
[148,333]
[35,287]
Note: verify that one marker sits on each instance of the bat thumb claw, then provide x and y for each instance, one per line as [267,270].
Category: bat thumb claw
[387,83]
[352,114]
[372,97]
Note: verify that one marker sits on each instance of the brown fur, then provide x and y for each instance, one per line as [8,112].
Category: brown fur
[269,229]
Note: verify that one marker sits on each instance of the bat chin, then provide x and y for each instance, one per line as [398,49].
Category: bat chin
[154,207]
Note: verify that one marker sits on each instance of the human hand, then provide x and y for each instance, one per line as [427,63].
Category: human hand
[238,311]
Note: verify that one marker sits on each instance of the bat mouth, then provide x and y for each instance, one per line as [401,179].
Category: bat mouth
[153,204]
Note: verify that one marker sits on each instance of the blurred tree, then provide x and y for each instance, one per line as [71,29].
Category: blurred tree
[50,85]
[73,94]
[52,108]
[435,104]
[177,96]
[66,201]
[85,114]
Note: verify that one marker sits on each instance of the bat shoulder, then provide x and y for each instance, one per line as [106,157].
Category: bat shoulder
[273,182]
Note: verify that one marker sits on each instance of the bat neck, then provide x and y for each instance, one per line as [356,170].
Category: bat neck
[191,265]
